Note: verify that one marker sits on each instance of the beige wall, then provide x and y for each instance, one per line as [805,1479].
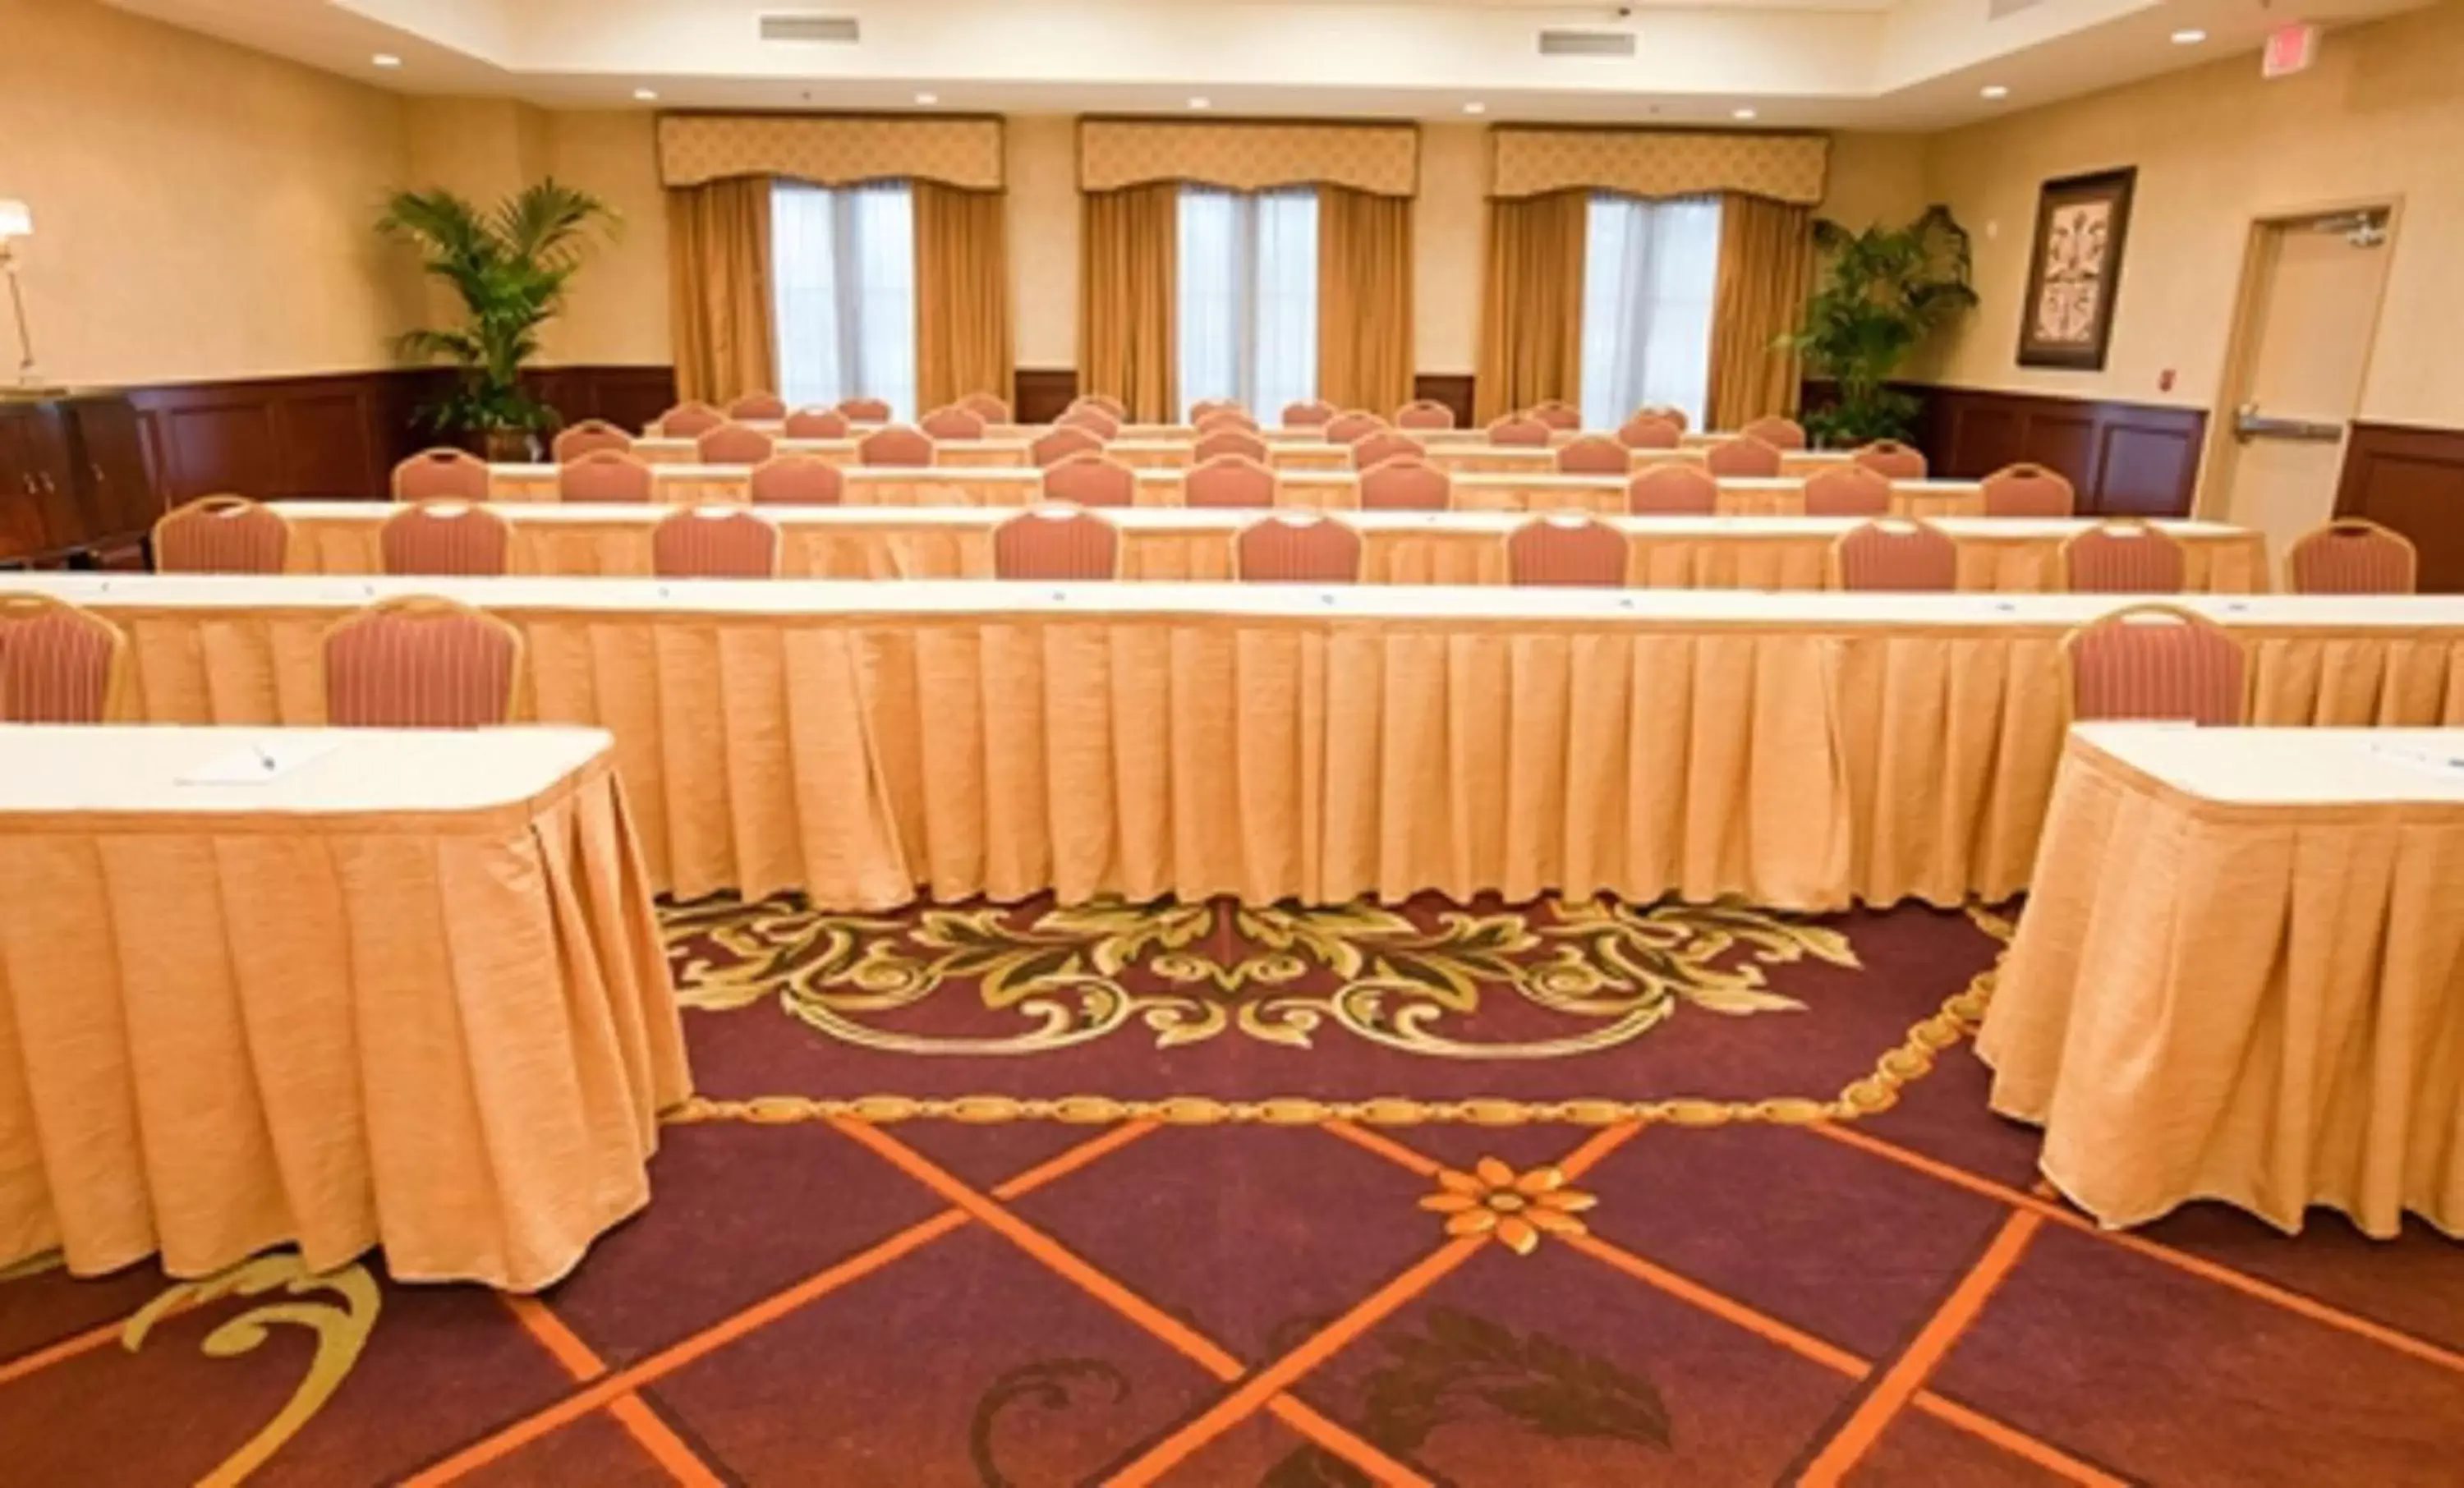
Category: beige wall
[1043,168]
[1875,178]
[200,211]
[617,314]
[2380,117]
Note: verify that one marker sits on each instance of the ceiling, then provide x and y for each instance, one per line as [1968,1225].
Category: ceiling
[1876,64]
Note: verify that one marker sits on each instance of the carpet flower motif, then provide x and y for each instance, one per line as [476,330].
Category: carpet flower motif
[1514,1209]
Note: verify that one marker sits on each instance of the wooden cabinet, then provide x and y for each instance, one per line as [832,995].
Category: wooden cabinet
[73,484]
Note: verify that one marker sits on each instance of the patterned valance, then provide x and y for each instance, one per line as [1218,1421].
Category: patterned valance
[830,149]
[1656,163]
[1384,160]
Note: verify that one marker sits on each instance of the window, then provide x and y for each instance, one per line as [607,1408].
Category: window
[843,282]
[1249,296]
[1649,273]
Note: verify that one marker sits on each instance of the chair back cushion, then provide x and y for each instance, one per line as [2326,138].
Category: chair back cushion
[2350,556]
[421,665]
[2157,665]
[1103,402]
[986,406]
[2026,490]
[1519,430]
[818,423]
[1674,488]
[444,539]
[1064,442]
[1425,413]
[1093,420]
[733,444]
[1299,550]
[1890,458]
[714,542]
[865,410]
[455,475]
[1380,446]
[604,476]
[1345,428]
[2122,558]
[1744,457]
[1912,557]
[895,445]
[1847,491]
[757,405]
[953,423]
[1058,543]
[1593,454]
[1218,442]
[1556,550]
[57,661]
[586,437]
[222,535]
[1234,418]
[1090,480]
[1557,415]
[1229,480]
[1308,415]
[1405,486]
[1777,432]
[794,480]
[689,420]
[1649,431]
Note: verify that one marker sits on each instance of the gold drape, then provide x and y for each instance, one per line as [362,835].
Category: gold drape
[718,262]
[1531,305]
[1364,298]
[1765,270]
[962,325]
[1128,276]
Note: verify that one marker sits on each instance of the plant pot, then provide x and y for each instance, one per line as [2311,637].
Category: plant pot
[508,446]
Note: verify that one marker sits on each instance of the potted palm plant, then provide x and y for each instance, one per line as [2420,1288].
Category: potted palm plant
[1882,292]
[510,268]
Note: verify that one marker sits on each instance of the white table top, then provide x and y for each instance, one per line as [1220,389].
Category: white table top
[2286,767]
[965,475]
[1438,603]
[141,769]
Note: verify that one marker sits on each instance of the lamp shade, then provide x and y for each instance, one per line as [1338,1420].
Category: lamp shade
[16,220]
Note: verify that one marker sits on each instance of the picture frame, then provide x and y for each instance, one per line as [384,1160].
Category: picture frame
[2075,270]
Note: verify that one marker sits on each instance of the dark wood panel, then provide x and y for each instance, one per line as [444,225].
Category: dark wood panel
[1039,395]
[628,397]
[218,444]
[2124,458]
[2410,479]
[2147,468]
[1451,388]
[328,441]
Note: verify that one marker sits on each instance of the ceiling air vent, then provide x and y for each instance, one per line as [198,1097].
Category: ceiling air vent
[1995,10]
[808,28]
[1587,43]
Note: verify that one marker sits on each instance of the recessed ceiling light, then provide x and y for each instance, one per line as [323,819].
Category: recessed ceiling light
[928,99]
[2189,37]
[647,94]
[1475,106]
[385,60]
[1992,90]
[1201,103]
[1743,112]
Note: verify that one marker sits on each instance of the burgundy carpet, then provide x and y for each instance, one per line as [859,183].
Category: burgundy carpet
[1206,1194]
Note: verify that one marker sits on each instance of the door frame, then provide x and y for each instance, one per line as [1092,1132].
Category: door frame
[2216,456]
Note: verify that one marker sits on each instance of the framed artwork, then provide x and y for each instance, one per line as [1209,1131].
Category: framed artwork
[2075,269]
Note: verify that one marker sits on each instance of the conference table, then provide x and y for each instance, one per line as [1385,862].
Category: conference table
[1999,554]
[2240,973]
[336,989]
[1022,484]
[870,742]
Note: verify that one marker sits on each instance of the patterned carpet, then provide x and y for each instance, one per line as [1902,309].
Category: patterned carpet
[1574,1194]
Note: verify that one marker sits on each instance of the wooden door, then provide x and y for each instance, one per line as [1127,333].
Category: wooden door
[40,489]
[117,490]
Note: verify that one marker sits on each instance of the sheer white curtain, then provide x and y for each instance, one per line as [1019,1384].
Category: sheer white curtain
[1650,270]
[843,280]
[1249,296]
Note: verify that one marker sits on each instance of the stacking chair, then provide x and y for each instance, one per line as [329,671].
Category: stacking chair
[58,664]
[1383,445]
[1057,543]
[1227,440]
[865,410]
[456,538]
[1206,408]
[2351,555]
[1566,548]
[1672,490]
[986,406]
[1777,432]
[1093,420]
[818,423]
[2026,490]
[1090,480]
[590,434]
[1741,457]
[2157,662]
[1235,420]
[897,444]
[1896,553]
[1661,410]
[1063,443]
[1556,414]
[953,423]
[1297,547]
[733,444]
[1228,480]
[421,662]
[1405,486]
[604,475]
[1847,491]
[1649,431]
[1888,457]
[794,480]
[441,471]
[1352,427]
[221,534]
[1519,429]
[713,540]
[1425,413]
[1111,406]
[2123,556]
[757,405]
[1593,454]
[690,419]
[1312,414]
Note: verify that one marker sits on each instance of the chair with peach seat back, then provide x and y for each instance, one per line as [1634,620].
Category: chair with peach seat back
[1229,480]
[1218,442]
[1066,442]
[445,538]
[1093,420]
[1780,433]
[2157,663]
[2351,555]
[1672,490]
[1519,432]
[987,407]
[733,444]
[1352,426]
[953,423]
[897,444]
[1405,486]
[58,663]
[756,406]
[1556,413]
[1742,458]
[1314,413]
[1204,408]
[577,440]
[1891,458]
[1649,431]
[1384,445]
[1847,491]
[713,540]
[1104,403]
[604,475]
[1567,549]
[1593,454]
[865,410]
[1425,413]
[441,472]
[2026,490]
[1089,481]
[2123,556]
[222,535]
[818,423]
[1224,418]
[1661,410]
[794,480]
[421,662]
[690,419]
[1297,548]
[1057,543]
[1895,553]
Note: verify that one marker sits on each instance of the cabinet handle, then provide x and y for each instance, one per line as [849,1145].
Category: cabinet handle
[49,490]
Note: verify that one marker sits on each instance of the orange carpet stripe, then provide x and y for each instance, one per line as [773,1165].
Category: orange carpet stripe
[70,1347]
[2018,1443]
[1272,1381]
[548,1330]
[1600,1143]
[1064,1164]
[1915,1363]
[640,1422]
[1725,1308]
[2183,1261]
[1338,1439]
[1383,1145]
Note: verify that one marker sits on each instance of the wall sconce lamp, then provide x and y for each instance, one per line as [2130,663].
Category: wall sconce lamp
[17,221]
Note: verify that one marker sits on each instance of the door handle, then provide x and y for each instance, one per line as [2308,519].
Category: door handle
[2250,423]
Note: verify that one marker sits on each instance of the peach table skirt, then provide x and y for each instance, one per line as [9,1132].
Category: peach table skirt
[447,1032]
[2249,996]
[1995,553]
[863,741]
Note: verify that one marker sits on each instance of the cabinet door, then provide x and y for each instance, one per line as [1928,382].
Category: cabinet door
[43,432]
[21,494]
[117,491]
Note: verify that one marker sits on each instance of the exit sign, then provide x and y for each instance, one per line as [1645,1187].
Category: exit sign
[2289,49]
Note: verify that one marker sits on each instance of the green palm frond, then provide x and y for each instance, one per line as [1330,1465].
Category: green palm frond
[1883,292]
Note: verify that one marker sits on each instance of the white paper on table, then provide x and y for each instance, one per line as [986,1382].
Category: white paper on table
[256,762]
[2447,762]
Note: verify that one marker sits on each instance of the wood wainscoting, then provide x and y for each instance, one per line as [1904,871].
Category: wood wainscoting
[1451,388]
[2126,459]
[2410,479]
[1039,395]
